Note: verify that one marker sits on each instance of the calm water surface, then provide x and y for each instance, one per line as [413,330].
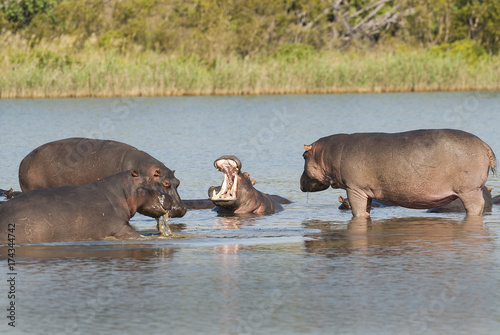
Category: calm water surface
[310,269]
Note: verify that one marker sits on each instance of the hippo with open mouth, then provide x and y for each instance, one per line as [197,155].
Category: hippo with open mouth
[237,194]
[416,169]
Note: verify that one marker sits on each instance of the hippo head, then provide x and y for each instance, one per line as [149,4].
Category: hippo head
[168,184]
[313,178]
[236,189]
[344,203]
[145,196]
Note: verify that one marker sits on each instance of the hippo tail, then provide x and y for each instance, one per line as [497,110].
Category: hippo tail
[491,157]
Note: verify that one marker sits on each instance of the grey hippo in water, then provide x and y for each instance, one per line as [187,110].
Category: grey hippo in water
[416,169]
[91,211]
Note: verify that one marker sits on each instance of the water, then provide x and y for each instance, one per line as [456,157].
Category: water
[309,269]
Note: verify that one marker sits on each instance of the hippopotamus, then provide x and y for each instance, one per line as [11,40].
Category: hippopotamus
[420,169]
[77,161]
[496,200]
[91,211]
[9,194]
[237,194]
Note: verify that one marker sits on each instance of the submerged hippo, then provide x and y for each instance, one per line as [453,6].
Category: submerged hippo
[345,205]
[92,211]
[237,194]
[77,161]
[415,169]
[496,199]
[9,194]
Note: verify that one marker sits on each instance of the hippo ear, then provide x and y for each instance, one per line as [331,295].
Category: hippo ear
[253,181]
[308,147]
[135,174]
[341,199]
[157,173]
[488,188]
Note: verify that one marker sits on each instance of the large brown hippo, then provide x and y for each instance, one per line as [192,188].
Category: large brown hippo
[237,194]
[415,169]
[77,161]
[92,211]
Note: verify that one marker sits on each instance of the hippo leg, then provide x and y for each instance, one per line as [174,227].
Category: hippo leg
[359,203]
[473,202]
[126,233]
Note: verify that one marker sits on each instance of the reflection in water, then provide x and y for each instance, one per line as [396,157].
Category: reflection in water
[436,268]
[395,235]
[234,221]
[229,283]
[90,251]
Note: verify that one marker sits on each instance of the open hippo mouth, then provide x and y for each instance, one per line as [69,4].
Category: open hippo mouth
[231,166]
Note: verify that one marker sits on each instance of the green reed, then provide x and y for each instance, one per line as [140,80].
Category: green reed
[51,70]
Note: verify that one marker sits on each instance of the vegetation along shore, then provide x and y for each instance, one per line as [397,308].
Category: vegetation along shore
[62,48]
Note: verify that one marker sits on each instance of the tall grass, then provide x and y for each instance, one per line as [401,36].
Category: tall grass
[50,70]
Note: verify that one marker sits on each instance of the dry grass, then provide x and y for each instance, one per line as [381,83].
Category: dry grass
[49,70]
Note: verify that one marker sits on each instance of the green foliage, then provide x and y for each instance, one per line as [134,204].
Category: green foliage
[286,30]
[466,49]
[479,21]
[445,21]
[51,60]
[21,13]
[42,59]
[290,52]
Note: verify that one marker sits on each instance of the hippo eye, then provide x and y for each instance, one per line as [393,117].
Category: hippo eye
[166,183]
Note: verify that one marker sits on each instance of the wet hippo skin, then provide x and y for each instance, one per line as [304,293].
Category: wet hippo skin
[198,204]
[77,161]
[237,194]
[84,212]
[456,206]
[416,169]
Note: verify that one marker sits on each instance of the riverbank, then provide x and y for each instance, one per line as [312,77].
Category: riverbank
[49,73]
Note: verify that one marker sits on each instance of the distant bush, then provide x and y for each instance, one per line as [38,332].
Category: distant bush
[20,13]
[467,49]
[290,52]
[285,29]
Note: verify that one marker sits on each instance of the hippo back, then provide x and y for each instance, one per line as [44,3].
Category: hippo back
[77,161]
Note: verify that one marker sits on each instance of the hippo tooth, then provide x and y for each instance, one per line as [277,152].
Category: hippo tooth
[233,189]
